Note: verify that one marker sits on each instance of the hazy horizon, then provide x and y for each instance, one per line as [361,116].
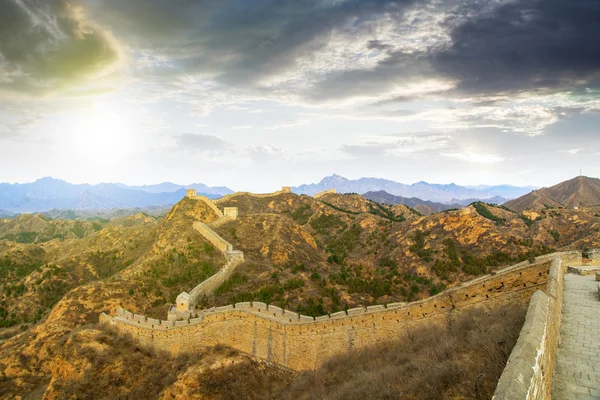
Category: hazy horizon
[276,187]
[258,95]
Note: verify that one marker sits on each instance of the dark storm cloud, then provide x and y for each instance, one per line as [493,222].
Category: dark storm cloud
[525,45]
[521,45]
[46,45]
[240,42]
[398,67]
[378,45]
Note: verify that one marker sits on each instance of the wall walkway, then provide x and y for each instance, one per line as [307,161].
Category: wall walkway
[562,323]
[187,302]
[578,364]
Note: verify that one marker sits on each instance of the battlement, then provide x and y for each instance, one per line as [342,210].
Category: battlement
[231,212]
[191,193]
[323,193]
[186,303]
[303,342]
[284,190]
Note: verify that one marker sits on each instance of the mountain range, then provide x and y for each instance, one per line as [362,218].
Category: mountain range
[49,193]
[426,207]
[423,206]
[582,191]
[442,193]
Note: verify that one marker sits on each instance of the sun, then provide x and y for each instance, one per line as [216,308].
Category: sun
[102,134]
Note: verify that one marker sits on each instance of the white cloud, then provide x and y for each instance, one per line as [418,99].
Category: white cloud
[526,119]
[202,143]
[263,154]
[292,123]
[573,151]
[474,157]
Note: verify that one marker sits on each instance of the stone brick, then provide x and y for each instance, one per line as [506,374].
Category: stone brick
[254,330]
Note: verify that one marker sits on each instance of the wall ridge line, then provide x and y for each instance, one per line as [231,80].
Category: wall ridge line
[309,341]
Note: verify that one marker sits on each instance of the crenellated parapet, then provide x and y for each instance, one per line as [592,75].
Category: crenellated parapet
[303,342]
[185,304]
[284,190]
[323,193]
[191,194]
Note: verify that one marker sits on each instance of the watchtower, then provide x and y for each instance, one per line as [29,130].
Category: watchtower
[191,193]
[230,212]
[286,189]
[183,302]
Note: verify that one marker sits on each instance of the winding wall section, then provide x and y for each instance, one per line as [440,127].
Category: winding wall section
[302,343]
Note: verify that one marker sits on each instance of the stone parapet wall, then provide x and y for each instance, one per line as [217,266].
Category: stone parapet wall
[324,192]
[594,256]
[209,285]
[212,237]
[211,204]
[257,195]
[301,342]
[221,221]
[530,368]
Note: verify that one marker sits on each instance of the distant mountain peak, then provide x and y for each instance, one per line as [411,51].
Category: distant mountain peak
[50,193]
[440,193]
[46,179]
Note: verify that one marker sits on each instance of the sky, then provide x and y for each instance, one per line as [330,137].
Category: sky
[259,94]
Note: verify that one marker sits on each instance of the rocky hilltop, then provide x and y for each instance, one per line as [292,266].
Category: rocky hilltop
[578,192]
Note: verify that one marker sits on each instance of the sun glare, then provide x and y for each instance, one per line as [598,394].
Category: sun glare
[102,135]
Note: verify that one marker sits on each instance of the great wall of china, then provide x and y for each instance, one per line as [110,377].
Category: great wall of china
[301,342]
[185,304]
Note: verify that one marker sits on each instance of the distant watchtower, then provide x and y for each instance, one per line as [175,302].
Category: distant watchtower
[230,212]
[286,189]
[191,193]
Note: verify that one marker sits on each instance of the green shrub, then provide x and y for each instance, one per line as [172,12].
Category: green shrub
[419,247]
[298,267]
[484,212]
[344,244]
[293,283]
[387,262]
[236,279]
[340,209]
[78,229]
[312,307]
[384,212]
[324,222]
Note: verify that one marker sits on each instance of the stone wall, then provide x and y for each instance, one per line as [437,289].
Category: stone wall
[257,195]
[530,368]
[302,343]
[213,237]
[209,285]
[211,204]
[594,256]
[324,192]
[231,212]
